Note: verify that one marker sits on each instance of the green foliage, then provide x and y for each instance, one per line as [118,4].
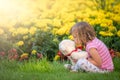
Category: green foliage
[106,4]
[36,66]
[45,43]
[4,44]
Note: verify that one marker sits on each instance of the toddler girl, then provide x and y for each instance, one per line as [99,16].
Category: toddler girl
[99,59]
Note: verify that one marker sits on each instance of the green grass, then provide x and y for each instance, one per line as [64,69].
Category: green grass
[44,70]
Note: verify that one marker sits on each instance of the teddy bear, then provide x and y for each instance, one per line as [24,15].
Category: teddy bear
[67,48]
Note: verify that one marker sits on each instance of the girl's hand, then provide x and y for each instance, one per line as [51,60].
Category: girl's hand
[90,59]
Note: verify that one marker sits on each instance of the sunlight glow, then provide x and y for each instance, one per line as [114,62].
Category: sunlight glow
[15,10]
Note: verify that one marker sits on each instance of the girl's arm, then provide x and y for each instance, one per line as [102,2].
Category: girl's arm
[95,58]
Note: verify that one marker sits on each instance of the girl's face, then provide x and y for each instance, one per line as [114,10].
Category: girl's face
[76,39]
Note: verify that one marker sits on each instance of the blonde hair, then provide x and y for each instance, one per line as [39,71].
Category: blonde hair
[84,31]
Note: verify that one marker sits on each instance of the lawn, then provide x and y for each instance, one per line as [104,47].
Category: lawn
[45,70]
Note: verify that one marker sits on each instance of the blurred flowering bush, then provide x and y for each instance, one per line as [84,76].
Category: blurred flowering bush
[42,24]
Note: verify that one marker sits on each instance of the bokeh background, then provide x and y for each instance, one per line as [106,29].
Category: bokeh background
[31,27]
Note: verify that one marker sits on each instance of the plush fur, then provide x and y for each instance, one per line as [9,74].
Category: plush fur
[68,46]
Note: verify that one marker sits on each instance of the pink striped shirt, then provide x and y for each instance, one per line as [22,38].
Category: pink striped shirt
[103,52]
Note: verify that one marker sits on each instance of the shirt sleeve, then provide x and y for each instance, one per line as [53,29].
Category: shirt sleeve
[90,45]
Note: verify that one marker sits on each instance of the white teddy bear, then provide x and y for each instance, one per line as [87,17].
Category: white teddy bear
[67,48]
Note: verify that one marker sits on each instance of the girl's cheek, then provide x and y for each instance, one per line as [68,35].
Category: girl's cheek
[75,41]
[78,43]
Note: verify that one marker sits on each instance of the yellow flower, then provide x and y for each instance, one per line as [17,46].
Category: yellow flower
[32,30]
[106,22]
[116,18]
[112,28]
[116,8]
[22,30]
[25,37]
[14,34]
[24,55]
[54,30]
[118,33]
[57,57]
[103,25]
[20,43]
[33,52]
[110,34]
[103,33]
[56,22]
[61,31]
[70,37]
